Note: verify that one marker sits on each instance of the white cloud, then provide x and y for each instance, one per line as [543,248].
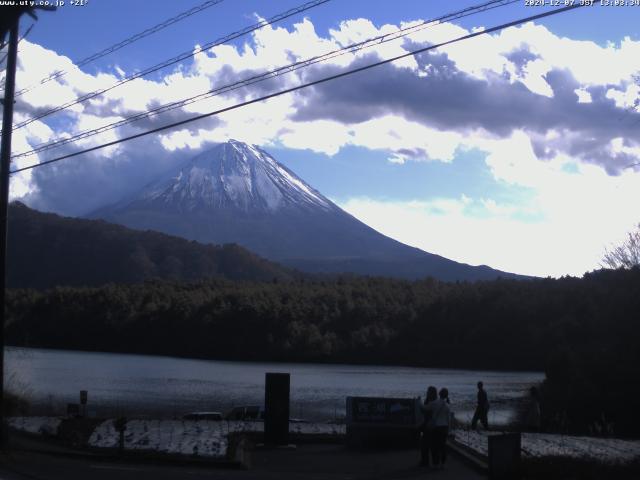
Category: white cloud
[626,98]
[319,136]
[271,47]
[589,63]
[393,132]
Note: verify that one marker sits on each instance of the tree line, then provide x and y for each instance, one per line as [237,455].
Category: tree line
[582,332]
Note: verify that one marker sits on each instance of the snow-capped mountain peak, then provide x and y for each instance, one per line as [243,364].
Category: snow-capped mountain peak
[238,193]
[236,175]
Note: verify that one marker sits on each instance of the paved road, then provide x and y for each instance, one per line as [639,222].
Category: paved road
[307,462]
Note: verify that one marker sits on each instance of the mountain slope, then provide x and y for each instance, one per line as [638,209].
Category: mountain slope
[46,250]
[239,193]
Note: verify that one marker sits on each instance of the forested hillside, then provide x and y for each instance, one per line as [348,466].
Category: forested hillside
[47,250]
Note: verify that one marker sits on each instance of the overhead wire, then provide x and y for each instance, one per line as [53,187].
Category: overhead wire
[302,86]
[24,35]
[352,48]
[124,43]
[177,59]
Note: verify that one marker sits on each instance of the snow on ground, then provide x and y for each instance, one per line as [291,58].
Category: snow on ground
[185,437]
[604,450]
[204,438]
[39,425]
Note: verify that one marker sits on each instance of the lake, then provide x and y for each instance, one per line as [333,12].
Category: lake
[121,384]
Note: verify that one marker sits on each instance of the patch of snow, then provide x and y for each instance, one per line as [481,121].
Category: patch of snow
[540,445]
[267,190]
[205,438]
[104,436]
[253,150]
[238,189]
[39,425]
[301,186]
[197,176]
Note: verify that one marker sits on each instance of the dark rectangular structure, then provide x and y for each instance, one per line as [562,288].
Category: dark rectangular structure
[382,422]
[375,410]
[276,408]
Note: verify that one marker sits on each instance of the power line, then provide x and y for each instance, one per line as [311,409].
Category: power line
[24,35]
[300,87]
[174,60]
[352,48]
[125,42]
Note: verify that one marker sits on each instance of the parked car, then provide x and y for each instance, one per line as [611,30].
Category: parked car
[215,416]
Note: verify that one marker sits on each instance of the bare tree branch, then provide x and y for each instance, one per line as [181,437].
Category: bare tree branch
[625,255]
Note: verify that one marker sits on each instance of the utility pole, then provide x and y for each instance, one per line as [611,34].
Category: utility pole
[9,22]
[5,165]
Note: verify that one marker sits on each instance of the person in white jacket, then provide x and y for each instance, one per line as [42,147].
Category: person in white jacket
[440,415]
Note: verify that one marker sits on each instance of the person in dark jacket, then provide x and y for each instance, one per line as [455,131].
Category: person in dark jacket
[427,426]
[482,409]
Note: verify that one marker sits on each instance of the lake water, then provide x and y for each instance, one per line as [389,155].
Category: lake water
[153,385]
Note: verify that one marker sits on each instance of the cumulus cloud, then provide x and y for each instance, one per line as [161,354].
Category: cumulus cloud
[523,79]
[448,100]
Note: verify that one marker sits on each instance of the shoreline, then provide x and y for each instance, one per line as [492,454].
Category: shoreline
[280,362]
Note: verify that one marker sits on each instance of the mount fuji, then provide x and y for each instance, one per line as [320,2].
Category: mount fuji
[238,193]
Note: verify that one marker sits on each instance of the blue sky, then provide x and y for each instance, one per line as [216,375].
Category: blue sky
[602,25]
[508,150]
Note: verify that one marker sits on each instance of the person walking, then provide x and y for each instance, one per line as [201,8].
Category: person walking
[440,418]
[426,429]
[482,409]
